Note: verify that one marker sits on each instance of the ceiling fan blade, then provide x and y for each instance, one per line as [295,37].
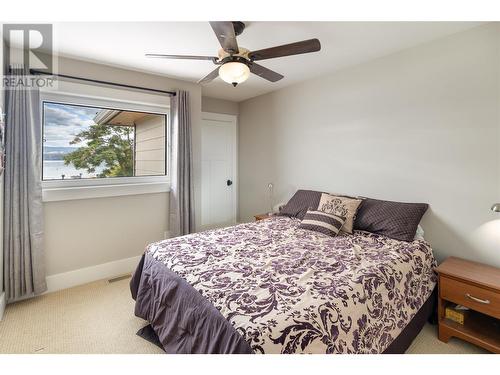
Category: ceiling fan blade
[210,76]
[180,57]
[305,46]
[224,30]
[265,73]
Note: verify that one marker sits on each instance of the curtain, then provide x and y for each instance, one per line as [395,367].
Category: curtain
[24,269]
[181,194]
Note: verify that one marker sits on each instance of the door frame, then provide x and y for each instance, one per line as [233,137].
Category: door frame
[231,119]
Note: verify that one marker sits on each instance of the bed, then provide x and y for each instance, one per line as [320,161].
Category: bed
[272,287]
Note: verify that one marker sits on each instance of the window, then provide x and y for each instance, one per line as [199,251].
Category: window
[98,142]
[82,142]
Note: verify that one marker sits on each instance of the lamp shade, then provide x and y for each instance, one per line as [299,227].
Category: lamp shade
[234,72]
[496,207]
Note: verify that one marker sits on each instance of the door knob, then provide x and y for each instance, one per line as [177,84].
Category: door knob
[229,182]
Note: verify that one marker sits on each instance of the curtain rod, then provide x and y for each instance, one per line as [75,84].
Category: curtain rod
[37,72]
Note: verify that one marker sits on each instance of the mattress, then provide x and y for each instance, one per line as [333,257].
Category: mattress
[272,287]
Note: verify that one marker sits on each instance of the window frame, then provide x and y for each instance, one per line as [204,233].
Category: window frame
[70,189]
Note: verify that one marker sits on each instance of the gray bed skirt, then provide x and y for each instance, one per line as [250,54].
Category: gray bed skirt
[180,317]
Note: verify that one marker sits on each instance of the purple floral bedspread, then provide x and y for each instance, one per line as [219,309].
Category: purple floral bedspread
[291,290]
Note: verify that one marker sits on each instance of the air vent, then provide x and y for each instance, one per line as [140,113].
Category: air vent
[119,278]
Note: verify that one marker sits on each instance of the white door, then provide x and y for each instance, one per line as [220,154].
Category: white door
[218,170]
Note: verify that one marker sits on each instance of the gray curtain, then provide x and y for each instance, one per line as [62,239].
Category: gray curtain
[24,268]
[181,194]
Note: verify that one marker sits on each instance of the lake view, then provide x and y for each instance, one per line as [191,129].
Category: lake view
[54,169]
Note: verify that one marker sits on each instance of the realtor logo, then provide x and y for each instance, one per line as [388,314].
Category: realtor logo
[29,45]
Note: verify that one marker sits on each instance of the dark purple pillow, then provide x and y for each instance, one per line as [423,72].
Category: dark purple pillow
[392,219]
[301,201]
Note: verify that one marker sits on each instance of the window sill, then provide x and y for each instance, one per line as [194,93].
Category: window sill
[58,193]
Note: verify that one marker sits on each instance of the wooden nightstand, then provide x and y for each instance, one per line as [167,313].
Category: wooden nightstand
[476,286]
[262,216]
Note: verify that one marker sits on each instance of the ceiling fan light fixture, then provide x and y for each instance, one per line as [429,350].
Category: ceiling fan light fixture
[234,72]
[234,63]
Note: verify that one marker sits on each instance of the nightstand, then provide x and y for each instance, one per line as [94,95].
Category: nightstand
[262,216]
[476,286]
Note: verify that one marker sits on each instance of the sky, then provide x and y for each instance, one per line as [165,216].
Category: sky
[63,122]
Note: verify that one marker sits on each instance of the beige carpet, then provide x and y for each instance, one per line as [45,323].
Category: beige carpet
[99,318]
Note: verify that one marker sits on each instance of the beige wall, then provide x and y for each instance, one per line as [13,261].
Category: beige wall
[88,232]
[150,145]
[2,109]
[421,125]
[219,106]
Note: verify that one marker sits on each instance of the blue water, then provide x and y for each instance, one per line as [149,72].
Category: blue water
[54,169]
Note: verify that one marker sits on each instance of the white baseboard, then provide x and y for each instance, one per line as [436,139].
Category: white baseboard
[2,305]
[86,275]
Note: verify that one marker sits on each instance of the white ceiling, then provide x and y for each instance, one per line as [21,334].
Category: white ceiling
[343,44]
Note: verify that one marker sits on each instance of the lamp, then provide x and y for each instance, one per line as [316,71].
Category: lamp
[234,72]
[495,207]
[270,186]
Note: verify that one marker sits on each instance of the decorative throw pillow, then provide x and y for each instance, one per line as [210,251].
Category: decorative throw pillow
[395,220]
[322,222]
[340,206]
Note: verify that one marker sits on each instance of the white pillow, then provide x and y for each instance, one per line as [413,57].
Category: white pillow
[419,234]
[341,206]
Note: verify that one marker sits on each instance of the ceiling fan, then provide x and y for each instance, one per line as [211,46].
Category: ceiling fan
[234,63]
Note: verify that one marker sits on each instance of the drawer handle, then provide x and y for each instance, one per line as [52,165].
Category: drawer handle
[485,301]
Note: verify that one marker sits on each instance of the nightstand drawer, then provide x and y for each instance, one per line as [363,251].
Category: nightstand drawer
[474,297]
